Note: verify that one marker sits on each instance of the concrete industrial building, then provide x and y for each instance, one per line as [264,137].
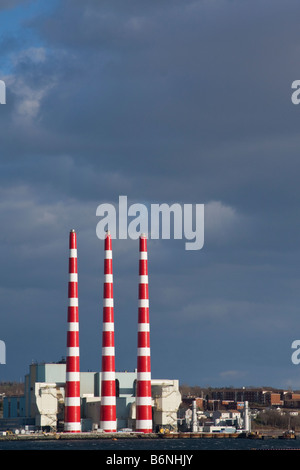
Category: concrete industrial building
[42,406]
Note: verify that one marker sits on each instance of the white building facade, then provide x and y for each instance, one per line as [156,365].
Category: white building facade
[45,392]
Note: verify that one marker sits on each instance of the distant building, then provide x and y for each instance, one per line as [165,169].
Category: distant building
[227,417]
[230,397]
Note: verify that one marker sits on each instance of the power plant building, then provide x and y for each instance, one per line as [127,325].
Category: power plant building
[43,404]
[61,397]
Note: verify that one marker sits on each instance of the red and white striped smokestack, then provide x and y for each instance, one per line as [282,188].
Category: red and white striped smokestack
[108,419]
[72,390]
[143,386]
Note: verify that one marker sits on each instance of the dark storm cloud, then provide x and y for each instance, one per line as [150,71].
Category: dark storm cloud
[173,89]
[209,107]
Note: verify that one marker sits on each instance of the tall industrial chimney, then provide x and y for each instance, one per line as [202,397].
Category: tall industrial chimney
[72,390]
[108,420]
[143,386]
[246,416]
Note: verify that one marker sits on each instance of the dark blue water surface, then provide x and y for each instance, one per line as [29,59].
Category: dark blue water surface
[157,445]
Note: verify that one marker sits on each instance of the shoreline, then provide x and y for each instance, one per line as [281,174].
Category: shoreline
[132,435]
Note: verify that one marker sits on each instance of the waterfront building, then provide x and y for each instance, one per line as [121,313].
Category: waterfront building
[43,403]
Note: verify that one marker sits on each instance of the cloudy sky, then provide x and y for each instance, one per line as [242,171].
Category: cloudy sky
[164,101]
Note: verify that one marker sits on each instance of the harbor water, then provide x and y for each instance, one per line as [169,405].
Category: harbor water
[155,446]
